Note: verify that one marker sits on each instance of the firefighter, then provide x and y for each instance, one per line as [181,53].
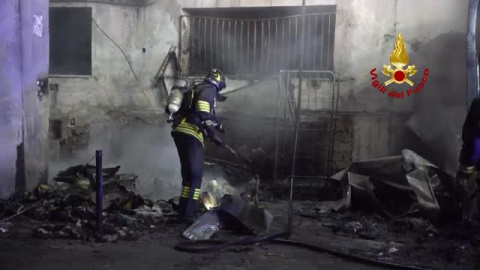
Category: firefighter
[469,160]
[189,132]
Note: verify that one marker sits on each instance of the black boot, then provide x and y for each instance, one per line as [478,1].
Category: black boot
[186,220]
[186,210]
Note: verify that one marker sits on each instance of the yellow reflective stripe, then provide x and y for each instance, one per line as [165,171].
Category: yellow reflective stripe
[190,132]
[196,194]
[466,169]
[185,192]
[203,106]
[189,129]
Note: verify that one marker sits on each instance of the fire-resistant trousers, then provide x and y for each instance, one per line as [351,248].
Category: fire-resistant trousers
[191,153]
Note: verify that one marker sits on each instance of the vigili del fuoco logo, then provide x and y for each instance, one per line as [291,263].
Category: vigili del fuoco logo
[397,73]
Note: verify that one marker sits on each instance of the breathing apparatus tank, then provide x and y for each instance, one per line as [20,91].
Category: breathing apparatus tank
[175,99]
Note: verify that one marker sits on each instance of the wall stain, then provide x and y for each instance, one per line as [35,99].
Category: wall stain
[20,177]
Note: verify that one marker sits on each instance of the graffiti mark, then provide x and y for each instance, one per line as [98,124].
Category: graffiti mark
[37,25]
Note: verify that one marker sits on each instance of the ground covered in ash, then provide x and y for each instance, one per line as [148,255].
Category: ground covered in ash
[57,231]
[408,240]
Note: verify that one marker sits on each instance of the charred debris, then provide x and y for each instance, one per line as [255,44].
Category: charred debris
[402,204]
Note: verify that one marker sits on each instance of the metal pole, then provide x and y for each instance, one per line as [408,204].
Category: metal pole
[335,97]
[297,122]
[277,136]
[99,191]
[472,60]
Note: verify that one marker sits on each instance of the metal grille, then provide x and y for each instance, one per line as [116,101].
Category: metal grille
[318,108]
[256,47]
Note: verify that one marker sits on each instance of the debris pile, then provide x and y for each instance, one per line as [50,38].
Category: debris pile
[231,213]
[412,238]
[401,208]
[398,186]
[67,210]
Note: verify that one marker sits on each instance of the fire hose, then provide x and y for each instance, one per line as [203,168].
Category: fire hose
[207,246]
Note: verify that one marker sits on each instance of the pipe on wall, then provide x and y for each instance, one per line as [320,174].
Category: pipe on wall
[127,3]
[472,60]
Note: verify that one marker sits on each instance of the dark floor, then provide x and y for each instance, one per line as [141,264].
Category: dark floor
[155,250]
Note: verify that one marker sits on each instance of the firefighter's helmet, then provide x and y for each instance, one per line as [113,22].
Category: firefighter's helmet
[216,78]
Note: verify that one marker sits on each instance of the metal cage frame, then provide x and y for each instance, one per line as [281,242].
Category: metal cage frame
[288,119]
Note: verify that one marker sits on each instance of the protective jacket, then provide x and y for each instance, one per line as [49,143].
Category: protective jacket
[201,119]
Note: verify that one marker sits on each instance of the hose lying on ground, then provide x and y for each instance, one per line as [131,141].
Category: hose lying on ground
[205,246]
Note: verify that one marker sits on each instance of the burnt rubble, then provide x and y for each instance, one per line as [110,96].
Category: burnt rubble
[67,209]
[384,212]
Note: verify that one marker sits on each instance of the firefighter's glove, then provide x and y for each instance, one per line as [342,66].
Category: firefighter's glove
[217,141]
[220,128]
[210,127]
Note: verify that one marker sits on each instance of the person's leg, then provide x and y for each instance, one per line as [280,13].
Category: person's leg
[196,158]
[191,153]
[471,199]
[464,173]
[469,154]
[181,142]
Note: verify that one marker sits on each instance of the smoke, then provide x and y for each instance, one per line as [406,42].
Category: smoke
[441,107]
[140,148]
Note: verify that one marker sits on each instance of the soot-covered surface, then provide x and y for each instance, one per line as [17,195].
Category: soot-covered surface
[411,241]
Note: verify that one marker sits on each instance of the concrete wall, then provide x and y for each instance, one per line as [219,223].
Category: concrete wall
[366,32]
[124,117]
[130,127]
[435,35]
[35,60]
[113,86]
[441,109]
[24,118]
[11,91]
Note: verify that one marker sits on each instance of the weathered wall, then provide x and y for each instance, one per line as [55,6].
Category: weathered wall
[24,118]
[124,117]
[121,117]
[434,32]
[35,58]
[441,109]
[366,32]
[11,91]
